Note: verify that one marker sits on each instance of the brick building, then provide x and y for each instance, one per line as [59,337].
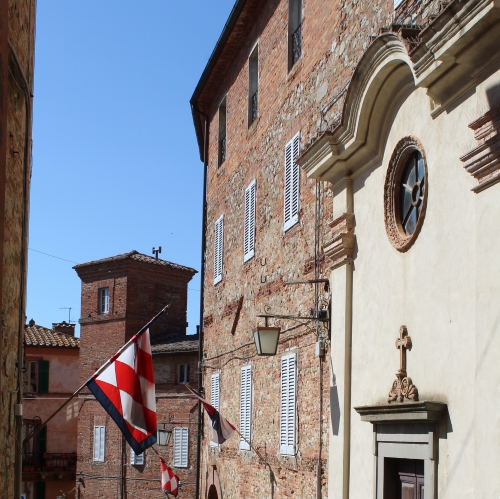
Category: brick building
[329,131]
[51,376]
[17,28]
[119,295]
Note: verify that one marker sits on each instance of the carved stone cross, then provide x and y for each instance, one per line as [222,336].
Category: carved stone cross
[402,386]
[403,343]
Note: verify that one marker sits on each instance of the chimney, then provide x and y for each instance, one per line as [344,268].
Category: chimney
[64,327]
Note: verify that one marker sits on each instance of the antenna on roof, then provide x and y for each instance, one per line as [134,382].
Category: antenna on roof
[156,251]
[69,313]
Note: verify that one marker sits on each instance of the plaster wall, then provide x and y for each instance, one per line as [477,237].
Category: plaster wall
[443,290]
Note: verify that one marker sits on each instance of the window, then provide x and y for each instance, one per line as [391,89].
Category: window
[405,193]
[36,377]
[218,249]
[214,395]
[104,300]
[288,402]
[99,443]
[292,182]
[294,31]
[253,85]
[181,447]
[249,243]
[183,373]
[246,407]
[222,132]
[136,459]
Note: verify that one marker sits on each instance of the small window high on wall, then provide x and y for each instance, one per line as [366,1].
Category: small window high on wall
[253,85]
[294,31]
[222,132]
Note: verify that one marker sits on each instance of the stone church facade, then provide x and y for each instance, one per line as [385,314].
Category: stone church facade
[353,169]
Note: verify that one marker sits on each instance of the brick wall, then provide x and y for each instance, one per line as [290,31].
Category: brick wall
[17,23]
[309,98]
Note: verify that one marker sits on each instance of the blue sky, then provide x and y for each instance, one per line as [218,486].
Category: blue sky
[115,160]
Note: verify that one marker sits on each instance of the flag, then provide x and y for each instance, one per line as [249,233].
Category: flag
[169,480]
[125,387]
[221,429]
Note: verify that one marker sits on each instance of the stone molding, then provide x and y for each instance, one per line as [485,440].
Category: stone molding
[340,248]
[397,236]
[409,412]
[483,162]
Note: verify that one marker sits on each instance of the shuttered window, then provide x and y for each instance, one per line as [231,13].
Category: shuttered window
[246,407]
[214,396]
[288,404]
[136,459]
[218,249]
[99,443]
[292,182]
[249,243]
[43,376]
[181,447]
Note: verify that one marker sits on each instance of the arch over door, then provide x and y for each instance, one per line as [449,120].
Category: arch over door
[213,484]
[212,492]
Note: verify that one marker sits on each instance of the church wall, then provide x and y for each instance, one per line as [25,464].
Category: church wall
[443,289]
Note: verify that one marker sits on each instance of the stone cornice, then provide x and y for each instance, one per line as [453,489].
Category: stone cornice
[408,412]
[340,247]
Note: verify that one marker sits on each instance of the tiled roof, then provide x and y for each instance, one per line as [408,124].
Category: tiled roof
[174,344]
[39,336]
[135,255]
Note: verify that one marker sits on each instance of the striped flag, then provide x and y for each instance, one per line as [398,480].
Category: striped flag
[221,429]
[125,387]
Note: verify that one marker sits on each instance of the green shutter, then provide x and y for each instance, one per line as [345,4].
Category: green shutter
[39,490]
[41,442]
[43,376]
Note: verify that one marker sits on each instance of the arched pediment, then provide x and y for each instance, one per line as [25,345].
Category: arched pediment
[384,74]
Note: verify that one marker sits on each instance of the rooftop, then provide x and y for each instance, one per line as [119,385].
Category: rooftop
[135,255]
[176,344]
[39,336]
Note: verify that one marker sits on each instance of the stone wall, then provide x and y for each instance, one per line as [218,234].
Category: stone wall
[17,24]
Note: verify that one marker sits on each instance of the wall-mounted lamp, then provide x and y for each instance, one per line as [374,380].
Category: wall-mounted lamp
[164,437]
[266,340]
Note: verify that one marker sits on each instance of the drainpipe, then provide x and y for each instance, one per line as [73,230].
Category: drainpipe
[202,297]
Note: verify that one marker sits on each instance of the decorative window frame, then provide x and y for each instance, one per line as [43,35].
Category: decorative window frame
[395,232]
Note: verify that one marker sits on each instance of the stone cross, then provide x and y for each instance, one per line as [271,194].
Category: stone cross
[403,343]
[402,386]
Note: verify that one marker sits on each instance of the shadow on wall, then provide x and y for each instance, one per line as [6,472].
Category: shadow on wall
[335,409]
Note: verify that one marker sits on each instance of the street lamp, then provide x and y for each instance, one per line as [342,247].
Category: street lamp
[164,437]
[266,339]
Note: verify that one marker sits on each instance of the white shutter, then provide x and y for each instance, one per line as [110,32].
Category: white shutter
[292,182]
[288,404]
[249,239]
[246,407]
[181,447]
[136,459]
[218,249]
[215,396]
[99,443]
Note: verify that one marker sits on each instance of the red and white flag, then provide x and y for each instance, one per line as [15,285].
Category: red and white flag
[169,480]
[125,387]
[221,429]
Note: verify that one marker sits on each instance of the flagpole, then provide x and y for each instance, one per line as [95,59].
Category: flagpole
[97,373]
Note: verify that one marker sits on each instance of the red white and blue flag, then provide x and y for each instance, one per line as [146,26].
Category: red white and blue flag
[169,480]
[125,387]
[221,429]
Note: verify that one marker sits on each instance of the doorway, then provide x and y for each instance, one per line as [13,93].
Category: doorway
[403,478]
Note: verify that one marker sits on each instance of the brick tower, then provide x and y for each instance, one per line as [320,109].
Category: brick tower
[119,295]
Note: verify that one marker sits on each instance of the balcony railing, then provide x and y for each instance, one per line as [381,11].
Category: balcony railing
[49,462]
[255,106]
[296,44]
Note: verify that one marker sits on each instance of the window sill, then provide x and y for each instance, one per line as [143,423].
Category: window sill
[295,69]
[253,126]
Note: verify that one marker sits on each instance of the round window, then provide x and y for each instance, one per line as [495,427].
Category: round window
[405,193]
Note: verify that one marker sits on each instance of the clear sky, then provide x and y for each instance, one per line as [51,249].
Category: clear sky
[115,160]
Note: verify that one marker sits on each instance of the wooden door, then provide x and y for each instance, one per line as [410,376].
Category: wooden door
[403,479]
